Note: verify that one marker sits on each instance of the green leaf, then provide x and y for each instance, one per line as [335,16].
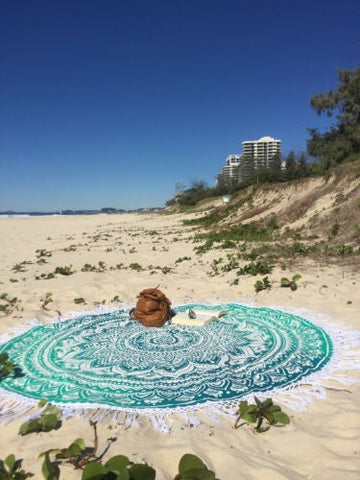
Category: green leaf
[117,463]
[79,442]
[17,466]
[258,402]
[52,409]
[281,417]
[93,471]
[24,428]
[267,403]
[243,407]
[249,417]
[48,422]
[190,462]
[123,474]
[49,470]
[48,452]
[8,368]
[73,450]
[198,474]
[285,282]
[262,429]
[296,278]
[269,417]
[140,471]
[274,408]
[10,461]
[42,403]
[29,427]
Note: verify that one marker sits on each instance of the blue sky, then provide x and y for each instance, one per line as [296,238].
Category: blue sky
[111,103]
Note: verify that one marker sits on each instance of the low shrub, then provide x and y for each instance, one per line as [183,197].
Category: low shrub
[286,283]
[256,268]
[64,270]
[263,284]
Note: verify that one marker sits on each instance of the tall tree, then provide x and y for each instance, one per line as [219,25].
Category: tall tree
[342,140]
[290,166]
[276,164]
[302,167]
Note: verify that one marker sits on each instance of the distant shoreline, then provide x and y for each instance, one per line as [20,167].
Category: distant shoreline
[103,211]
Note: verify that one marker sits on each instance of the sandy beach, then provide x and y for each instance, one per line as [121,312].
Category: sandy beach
[131,252]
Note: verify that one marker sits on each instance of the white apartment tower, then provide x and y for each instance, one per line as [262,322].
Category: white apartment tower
[262,151]
[230,173]
[255,155]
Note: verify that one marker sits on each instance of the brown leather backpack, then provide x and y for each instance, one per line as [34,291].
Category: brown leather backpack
[152,308]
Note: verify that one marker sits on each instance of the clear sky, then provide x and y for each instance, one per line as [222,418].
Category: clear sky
[111,103]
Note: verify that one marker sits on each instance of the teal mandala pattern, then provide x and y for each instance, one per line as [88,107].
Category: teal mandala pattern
[107,359]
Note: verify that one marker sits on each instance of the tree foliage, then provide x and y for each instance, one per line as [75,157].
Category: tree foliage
[290,166]
[296,166]
[342,140]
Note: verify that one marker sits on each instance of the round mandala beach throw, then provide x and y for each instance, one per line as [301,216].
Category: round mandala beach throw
[109,360]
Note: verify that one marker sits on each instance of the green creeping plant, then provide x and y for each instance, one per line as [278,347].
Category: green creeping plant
[10,469]
[259,412]
[263,284]
[192,467]
[49,419]
[285,282]
[6,366]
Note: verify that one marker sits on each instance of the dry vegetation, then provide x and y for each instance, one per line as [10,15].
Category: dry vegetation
[321,212]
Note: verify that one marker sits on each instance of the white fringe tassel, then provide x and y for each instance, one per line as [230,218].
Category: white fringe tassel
[345,359]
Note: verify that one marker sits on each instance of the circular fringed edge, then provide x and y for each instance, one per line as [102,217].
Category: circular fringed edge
[342,369]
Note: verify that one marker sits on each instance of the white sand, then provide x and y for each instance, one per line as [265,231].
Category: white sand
[321,443]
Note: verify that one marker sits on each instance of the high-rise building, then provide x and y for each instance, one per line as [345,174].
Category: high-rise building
[230,173]
[255,155]
[263,151]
